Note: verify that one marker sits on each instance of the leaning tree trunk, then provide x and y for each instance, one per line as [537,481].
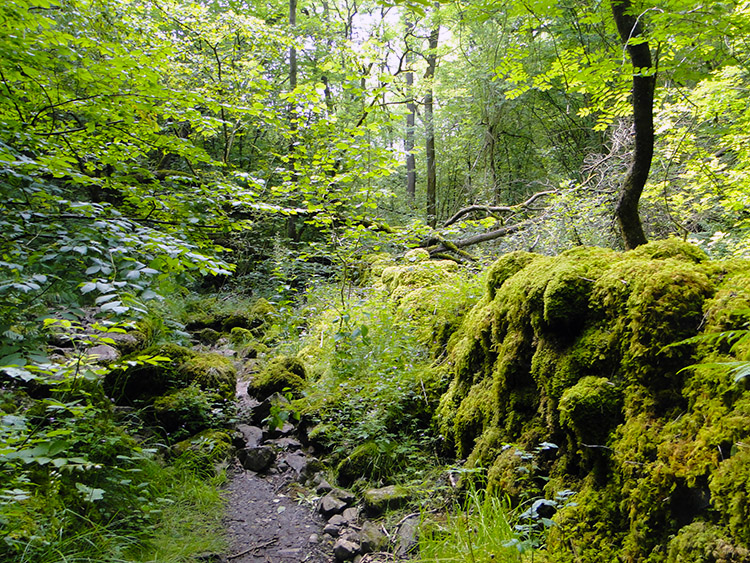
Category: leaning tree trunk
[430,126]
[644,83]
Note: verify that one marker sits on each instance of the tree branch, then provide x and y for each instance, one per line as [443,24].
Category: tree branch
[489,209]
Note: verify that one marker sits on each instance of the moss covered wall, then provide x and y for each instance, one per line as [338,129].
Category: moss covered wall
[574,350]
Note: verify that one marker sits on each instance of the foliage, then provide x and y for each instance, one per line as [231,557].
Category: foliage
[478,530]
[75,482]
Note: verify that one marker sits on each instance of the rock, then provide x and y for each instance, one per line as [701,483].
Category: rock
[263,410]
[406,537]
[345,550]
[251,436]
[372,538]
[344,495]
[289,444]
[334,525]
[378,501]
[323,487]
[301,464]
[314,538]
[257,459]
[104,353]
[330,505]
[285,430]
[351,515]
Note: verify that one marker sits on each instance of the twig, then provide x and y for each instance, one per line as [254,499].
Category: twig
[254,548]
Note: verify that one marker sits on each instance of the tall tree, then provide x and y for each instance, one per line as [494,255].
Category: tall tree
[411,114]
[430,120]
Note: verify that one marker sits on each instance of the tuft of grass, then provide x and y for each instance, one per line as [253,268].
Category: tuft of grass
[476,532]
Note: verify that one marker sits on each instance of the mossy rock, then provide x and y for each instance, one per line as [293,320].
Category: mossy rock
[187,410]
[730,493]
[212,372]
[505,267]
[280,374]
[417,255]
[241,336]
[377,501]
[145,375]
[591,409]
[670,248]
[703,542]
[360,464]
[207,336]
[203,452]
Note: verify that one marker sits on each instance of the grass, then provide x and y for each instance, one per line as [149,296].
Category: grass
[476,532]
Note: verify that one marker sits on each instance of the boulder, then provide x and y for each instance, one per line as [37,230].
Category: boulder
[257,459]
[345,550]
[378,501]
[372,538]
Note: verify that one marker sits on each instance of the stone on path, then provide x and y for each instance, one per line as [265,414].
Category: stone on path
[345,550]
[257,459]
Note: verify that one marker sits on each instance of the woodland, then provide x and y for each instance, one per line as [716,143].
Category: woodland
[494,253]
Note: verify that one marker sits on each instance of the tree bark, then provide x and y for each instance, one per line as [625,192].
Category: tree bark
[430,125]
[644,82]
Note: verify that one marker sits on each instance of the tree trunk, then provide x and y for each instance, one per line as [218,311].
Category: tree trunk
[644,83]
[430,126]
[411,108]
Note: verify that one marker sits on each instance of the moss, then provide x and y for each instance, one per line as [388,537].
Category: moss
[212,372]
[203,452]
[670,248]
[477,411]
[239,336]
[207,336]
[280,374]
[186,411]
[505,267]
[591,409]
[417,255]
[399,280]
[703,542]
[360,464]
[730,493]
[143,378]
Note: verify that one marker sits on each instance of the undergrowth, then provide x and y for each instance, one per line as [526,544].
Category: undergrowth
[75,482]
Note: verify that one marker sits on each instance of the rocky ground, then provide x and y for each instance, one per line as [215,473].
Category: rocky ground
[281,508]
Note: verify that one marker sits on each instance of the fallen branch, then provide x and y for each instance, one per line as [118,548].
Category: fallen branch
[490,209]
[457,245]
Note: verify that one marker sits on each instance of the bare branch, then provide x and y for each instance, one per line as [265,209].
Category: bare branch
[490,209]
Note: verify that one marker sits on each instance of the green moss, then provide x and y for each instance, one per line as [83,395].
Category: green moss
[730,493]
[591,409]
[360,464]
[670,248]
[505,267]
[474,414]
[203,452]
[417,255]
[240,336]
[281,373]
[186,411]
[207,336]
[400,280]
[212,372]
[143,378]
[703,542]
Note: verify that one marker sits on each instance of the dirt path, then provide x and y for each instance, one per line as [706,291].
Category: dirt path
[269,516]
